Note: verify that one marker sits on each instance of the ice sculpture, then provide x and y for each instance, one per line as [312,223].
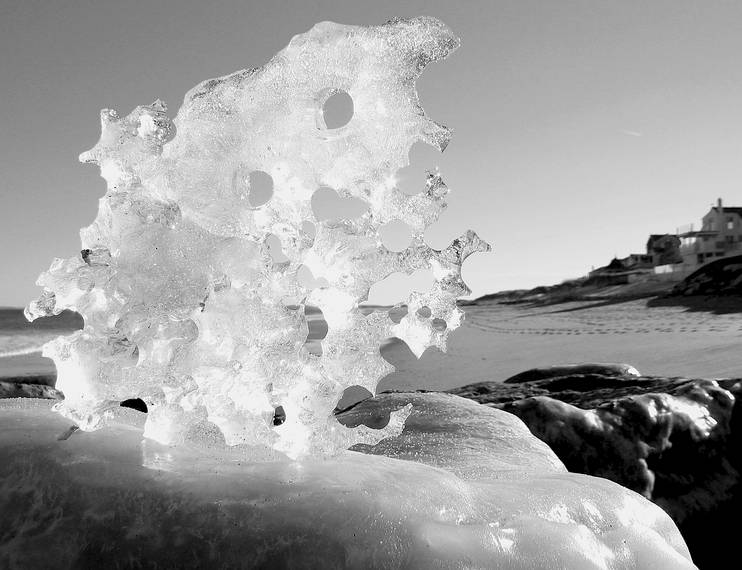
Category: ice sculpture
[188,302]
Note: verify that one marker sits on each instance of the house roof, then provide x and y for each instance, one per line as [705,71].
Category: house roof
[728,210]
[656,239]
[700,233]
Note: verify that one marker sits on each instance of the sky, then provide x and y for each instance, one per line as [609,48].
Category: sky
[580,127]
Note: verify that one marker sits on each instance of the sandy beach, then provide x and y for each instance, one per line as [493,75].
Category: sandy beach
[497,341]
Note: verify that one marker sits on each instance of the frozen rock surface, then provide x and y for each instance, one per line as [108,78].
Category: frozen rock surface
[195,276]
[475,490]
[677,441]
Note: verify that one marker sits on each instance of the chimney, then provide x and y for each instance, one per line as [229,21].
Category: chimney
[719,205]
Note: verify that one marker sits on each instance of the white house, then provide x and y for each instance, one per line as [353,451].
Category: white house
[720,236]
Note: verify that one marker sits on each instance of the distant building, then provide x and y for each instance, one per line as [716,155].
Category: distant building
[673,257]
[664,249]
[637,261]
[621,271]
[720,236]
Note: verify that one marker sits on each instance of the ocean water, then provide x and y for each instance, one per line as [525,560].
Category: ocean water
[21,341]
[468,359]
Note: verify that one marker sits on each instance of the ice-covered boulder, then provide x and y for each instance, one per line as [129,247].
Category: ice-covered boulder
[464,486]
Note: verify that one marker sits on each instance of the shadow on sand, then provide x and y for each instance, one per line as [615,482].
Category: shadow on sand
[715,304]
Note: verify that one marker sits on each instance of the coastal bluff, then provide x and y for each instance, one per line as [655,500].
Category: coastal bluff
[677,441]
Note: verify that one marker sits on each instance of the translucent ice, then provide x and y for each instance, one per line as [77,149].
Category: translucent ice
[465,486]
[194,287]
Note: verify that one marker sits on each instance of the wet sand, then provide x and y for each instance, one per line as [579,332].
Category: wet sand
[498,341]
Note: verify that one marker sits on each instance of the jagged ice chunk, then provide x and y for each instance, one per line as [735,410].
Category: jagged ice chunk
[187,303]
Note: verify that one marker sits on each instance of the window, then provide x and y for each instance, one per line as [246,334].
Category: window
[730,239]
[730,224]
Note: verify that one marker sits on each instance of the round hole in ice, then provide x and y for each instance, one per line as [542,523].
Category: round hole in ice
[279,416]
[396,235]
[337,109]
[352,395]
[397,313]
[260,188]
[424,312]
[439,324]
[423,158]
[309,229]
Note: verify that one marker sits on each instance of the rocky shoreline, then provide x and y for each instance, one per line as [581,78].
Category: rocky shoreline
[33,387]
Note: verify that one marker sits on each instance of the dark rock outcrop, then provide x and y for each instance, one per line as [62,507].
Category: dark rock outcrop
[675,440]
[720,277]
[573,369]
[33,387]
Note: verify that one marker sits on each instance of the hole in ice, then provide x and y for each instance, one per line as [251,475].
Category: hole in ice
[439,324]
[337,110]
[254,186]
[396,235]
[396,352]
[423,158]
[397,287]
[397,313]
[351,396]
[317,329]
[279,416]
[328,205]
[135,404]
[316,322]
[274,247]
[306,278]
[261,188]
[309,229]
[424,312]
